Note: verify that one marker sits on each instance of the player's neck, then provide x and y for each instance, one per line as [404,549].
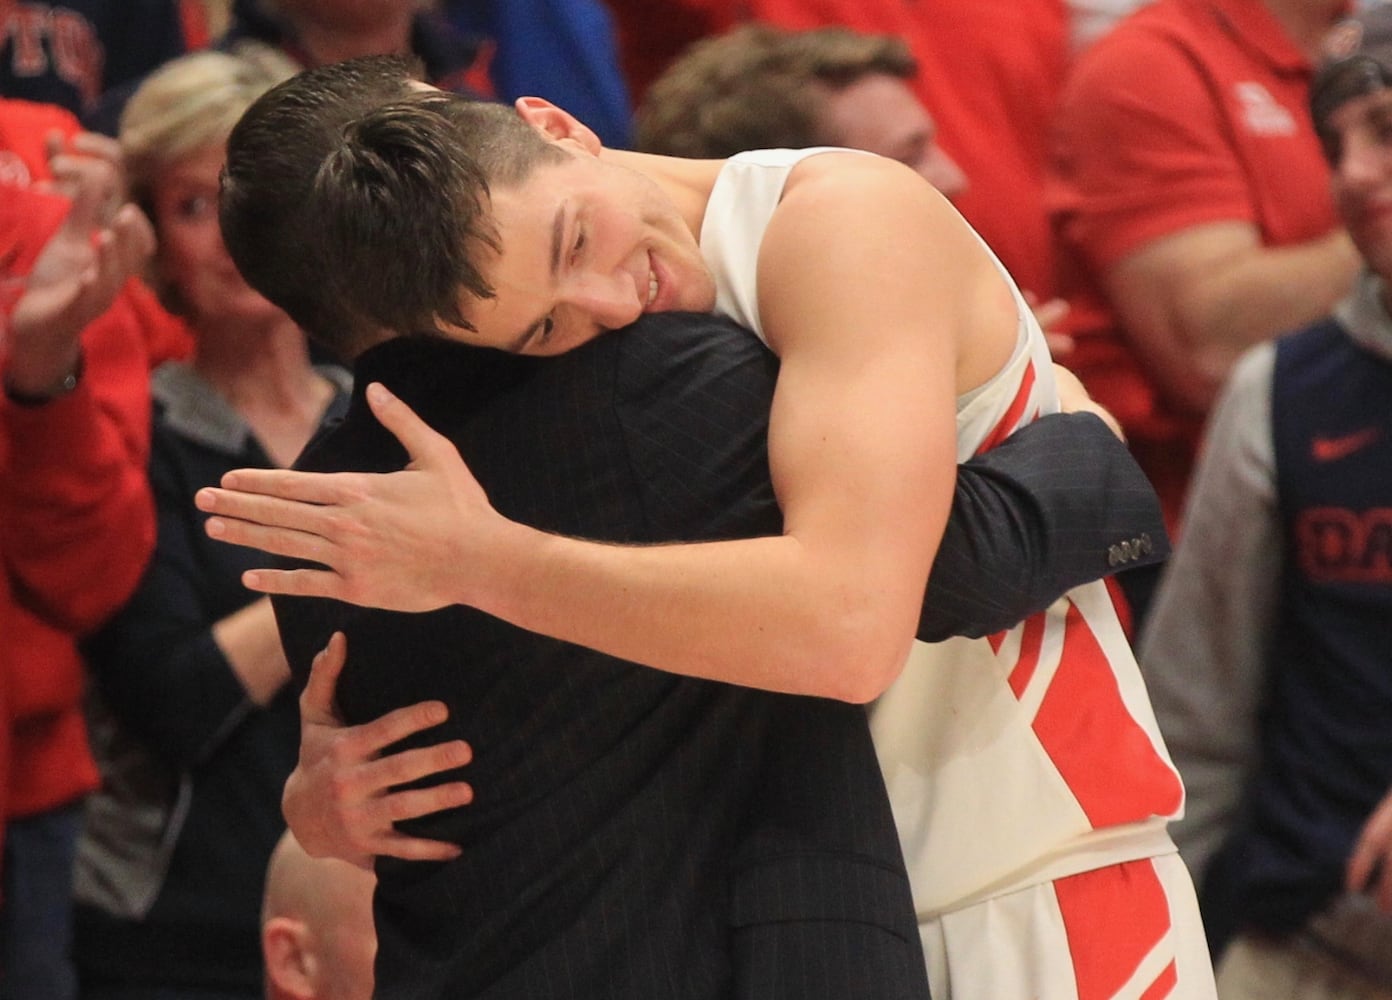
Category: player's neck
[687,182]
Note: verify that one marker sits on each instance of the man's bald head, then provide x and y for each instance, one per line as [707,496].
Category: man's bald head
[317,937]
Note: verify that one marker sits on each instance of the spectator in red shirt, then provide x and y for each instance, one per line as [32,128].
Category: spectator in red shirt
[1191,201]
[76,520]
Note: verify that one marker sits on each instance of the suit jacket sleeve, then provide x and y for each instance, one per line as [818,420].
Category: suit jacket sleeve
[1048,510]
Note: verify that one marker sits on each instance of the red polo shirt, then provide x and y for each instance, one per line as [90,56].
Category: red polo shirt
[1189,112]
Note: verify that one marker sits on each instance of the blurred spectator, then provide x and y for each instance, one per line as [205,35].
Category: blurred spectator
[1267,652]
[195,729]
[77,338]
[315,32]
[70,53]
[317,934]
[990,70]
[1192,208]
[759,87]
[563,50]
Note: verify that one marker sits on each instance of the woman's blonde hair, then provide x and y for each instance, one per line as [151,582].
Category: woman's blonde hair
[190,104]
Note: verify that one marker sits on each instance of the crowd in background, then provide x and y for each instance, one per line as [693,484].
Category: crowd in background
[1149,171]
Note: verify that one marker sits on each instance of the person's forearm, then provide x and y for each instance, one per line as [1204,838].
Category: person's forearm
[1040,514]
[755,612]
[250,641]
[1247,299]
[1270,291]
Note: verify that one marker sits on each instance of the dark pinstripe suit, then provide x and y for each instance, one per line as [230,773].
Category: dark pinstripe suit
[635,834]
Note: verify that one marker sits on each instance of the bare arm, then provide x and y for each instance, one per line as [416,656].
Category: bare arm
[251,643]
[1191,302]
[861,450]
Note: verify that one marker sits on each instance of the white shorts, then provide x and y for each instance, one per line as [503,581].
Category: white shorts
[1129,931]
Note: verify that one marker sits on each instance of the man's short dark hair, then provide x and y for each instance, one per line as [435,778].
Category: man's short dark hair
[359,204]
[273,155]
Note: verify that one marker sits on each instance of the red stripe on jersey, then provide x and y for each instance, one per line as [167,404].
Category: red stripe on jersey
[1164,984]
[1013,416]
[1031,642]
[1114,917]
[1102,753]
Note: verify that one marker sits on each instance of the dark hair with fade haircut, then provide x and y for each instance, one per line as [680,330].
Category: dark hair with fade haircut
[274,155]
[759,87]
[402,205]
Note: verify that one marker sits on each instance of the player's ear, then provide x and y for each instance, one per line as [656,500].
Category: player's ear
[556,123]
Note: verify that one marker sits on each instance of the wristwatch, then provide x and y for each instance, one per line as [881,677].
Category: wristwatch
[62,388]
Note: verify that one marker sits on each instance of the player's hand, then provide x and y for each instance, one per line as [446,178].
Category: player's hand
[340,802]
[1370,865]
[1074,398]
[413,540]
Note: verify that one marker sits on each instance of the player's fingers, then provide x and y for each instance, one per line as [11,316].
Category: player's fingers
[421,442]
[313,488]
[297,583]
[425,801]
[291,484]
[420,762]
[278,541]
[398,845]
[317,699]
[371,738]
[269,511]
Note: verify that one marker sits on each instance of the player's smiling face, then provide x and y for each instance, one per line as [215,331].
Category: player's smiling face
[587,246]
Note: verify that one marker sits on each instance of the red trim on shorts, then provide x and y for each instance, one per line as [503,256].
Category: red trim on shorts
[1013,416]
[1104,756]
[1114,917]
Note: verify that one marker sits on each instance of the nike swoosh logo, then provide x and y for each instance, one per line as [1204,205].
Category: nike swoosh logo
[1331,449]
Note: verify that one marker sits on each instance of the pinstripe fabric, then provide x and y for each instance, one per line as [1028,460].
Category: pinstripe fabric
[634,834]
